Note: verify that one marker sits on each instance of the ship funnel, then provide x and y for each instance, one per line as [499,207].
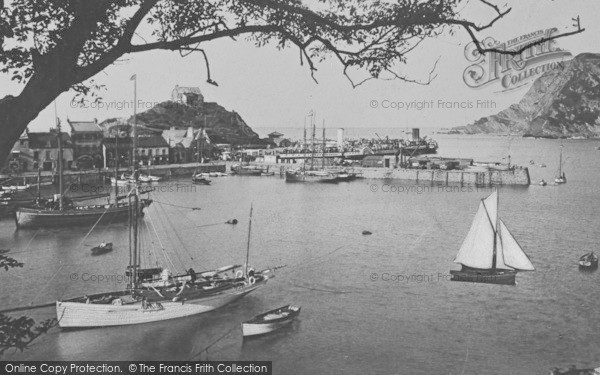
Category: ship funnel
[415,134]
[340,138]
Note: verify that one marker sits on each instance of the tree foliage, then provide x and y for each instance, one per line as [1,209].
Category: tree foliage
[52,46]
[18,333]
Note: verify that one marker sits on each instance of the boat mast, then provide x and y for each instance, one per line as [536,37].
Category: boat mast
[323,151]
[304,147]
[136,253]
[117,166]
[495,233]
[248,245]
[60,161]
[560,163]
[134,132]
[312,155]
[39,177]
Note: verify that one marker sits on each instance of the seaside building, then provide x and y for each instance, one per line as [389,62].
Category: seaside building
[152,150]
[120,146]
[39,150]
[86,137]
[276,138]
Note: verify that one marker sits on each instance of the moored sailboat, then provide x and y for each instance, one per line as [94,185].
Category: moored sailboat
[490,253]
[312,175]
[60,211]
[145,301]
[561,178]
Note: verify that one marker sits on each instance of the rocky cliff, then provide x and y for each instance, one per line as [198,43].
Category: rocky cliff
[560,103]
[221,125]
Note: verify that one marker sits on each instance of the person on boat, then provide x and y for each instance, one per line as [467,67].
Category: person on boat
[144,303]
[192,274]
[103,244]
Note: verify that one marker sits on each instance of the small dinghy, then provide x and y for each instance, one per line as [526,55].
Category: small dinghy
[270,321]
[102,248]
[200,180]
[588,261]
[366,233]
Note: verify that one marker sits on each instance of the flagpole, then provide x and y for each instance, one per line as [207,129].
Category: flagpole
[134,132]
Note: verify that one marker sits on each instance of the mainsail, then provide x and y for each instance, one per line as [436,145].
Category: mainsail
[477,250]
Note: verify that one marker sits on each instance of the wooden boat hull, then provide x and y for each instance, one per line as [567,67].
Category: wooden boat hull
[303,177]
[247,171]
[503,277]
[257,326]
[201,181]
[38,218]
[249,329]
[82,315]
[588,266]
[99,250]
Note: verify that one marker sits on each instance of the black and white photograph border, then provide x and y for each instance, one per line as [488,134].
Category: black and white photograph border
[299,186]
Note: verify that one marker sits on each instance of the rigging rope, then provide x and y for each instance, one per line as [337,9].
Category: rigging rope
[205,349]
[178,236]
[179,206]
[160,242]
[94,226]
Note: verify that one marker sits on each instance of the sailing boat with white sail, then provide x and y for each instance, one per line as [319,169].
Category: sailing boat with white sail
[561,178]
[176,297]
[490,253]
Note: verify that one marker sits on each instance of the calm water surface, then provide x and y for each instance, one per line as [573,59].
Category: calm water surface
[349,323]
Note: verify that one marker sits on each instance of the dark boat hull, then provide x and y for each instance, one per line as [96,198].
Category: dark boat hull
[304,177]
[99,250]
[201,181]
[39,218]
[421,150]
[502,277]
[588,266]
[247,172]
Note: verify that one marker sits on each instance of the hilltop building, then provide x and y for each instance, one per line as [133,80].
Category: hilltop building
[187,95]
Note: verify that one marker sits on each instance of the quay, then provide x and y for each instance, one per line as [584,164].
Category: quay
[102,176]
[480,176]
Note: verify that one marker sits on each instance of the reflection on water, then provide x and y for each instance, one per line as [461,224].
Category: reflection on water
[351,322]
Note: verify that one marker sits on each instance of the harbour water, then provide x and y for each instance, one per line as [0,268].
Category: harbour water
[378,304]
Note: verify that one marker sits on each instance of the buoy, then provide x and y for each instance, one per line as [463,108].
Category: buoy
[231,221]
[366,233]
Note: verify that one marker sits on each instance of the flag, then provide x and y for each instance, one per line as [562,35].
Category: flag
[133,77]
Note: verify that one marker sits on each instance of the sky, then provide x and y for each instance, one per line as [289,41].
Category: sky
[270,89]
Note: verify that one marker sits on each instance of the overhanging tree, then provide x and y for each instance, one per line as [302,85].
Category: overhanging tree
[52,46]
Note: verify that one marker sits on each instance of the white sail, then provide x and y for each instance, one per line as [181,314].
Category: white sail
[500,258]
[477,249]
[513,254]
[491,205]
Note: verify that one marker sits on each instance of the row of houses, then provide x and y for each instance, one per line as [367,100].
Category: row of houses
[89,145]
